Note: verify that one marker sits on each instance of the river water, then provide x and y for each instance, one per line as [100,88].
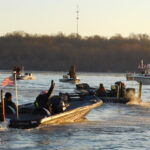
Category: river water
[110,126]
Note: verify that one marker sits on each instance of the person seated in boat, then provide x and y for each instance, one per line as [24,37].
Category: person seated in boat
[72,72]
[10,106]
[113,91]
[101,91]
[143,71]
[43,99]
[123,89]
[59,103]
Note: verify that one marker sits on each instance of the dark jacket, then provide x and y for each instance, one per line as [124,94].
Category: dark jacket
[43,100]
[10,106]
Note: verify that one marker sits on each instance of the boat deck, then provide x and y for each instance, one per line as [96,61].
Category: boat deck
[75,112]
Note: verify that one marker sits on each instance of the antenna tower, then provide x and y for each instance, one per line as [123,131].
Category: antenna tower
[77,18]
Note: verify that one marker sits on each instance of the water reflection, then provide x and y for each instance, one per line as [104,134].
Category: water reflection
[111,126]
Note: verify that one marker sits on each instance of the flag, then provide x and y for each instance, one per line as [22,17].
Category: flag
[8,82]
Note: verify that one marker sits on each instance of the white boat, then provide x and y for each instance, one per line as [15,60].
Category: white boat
[71,76]
[26,76]
[66,78]
[144,79]
[142,75]
[20,75]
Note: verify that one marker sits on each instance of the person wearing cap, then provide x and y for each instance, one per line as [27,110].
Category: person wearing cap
[113,91]
[123,89]
[101,91]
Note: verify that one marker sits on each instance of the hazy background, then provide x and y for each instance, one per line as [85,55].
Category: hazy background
[96,17]
[113,35]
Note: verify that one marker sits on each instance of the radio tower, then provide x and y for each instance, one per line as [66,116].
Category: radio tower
[77,18]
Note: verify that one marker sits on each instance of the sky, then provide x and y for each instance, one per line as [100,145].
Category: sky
[96,17]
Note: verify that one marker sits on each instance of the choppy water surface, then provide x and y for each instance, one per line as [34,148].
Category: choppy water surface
[110,126]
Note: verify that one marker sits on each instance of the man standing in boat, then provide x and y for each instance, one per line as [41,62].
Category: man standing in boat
[17,69]
[72,72]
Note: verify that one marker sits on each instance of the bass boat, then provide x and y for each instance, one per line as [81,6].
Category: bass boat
[117,94]
[71,76]
[21,75]
[67,79]
[30,117]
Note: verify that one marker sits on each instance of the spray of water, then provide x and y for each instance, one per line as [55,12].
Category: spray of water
[4,125]
[134,100]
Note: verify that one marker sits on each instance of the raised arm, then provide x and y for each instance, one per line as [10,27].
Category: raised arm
[50,91]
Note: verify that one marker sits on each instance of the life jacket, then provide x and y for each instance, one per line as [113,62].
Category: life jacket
[41,101]
[113,87]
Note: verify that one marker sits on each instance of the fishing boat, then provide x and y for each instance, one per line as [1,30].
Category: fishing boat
[142,78]
[30,118]
[142,75]
[117,93]
[71,76]
[67,79]
[25,76]
[21,75]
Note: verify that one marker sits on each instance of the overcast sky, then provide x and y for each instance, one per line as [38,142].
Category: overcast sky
[96,17]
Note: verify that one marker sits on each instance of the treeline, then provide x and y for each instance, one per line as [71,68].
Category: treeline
[59,52]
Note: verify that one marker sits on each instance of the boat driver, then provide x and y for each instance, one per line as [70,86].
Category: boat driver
[9,103]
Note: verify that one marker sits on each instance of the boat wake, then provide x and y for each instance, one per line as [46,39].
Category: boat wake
[4,125]
[145,104]
[138,102]
[134,100]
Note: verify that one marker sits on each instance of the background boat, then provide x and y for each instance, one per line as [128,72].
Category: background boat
[21,75]
[142,75]
[67,79]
